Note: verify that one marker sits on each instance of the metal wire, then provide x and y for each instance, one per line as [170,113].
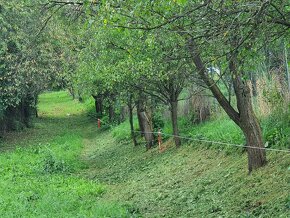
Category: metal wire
[217,142]
[214,142]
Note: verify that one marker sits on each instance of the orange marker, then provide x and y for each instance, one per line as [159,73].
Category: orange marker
[159,139]
[99,123]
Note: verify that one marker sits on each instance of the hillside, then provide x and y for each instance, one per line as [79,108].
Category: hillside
[65,167]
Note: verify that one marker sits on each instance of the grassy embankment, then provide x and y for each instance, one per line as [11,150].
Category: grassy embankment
[66,167]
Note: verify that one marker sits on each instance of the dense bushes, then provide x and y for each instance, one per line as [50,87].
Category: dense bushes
[17,117]
[28,63]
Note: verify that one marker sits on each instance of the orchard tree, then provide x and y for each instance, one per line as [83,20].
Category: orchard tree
[28,61]
[213,30]
[226,31]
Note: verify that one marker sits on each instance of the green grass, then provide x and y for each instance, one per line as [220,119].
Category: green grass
[66,167]
[189,181]
[40,167]
[122,132]
[276,129]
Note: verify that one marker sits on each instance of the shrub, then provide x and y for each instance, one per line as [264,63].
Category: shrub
[53,165]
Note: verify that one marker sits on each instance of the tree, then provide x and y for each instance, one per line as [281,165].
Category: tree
[225,31]
[205,25]
[26,64]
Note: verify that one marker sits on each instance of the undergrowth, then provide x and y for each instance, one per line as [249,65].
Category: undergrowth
[40,167]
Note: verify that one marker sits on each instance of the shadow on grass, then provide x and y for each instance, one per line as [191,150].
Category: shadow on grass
[45,129]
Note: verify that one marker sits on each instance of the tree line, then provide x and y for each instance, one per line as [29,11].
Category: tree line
[139,55]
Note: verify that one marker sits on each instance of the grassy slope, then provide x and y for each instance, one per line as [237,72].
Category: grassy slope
[61,172]
[189,182]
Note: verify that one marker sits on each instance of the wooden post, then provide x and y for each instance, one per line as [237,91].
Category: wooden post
[159,139]
[99,123]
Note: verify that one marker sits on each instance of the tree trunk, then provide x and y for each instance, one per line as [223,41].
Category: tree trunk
[98,105]
[133,135]
[148,131]
[248,122]
[111,112]
[72,92]
[80,98]
[140,108]
[245,118]
[174,110]
[212,85]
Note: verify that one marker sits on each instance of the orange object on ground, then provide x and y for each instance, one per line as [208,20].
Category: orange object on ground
[159,139]
[99,123]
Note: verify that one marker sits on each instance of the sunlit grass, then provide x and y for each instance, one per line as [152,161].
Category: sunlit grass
[40,172]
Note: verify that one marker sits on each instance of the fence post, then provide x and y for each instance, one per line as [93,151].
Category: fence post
[99,123]
[159,139]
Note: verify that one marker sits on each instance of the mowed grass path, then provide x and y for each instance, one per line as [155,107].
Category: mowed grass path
[40,167]
[68,168]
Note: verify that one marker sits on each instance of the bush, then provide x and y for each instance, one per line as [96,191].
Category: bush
[53,165]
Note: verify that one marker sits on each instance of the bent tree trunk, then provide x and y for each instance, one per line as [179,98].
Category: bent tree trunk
[245,117]
[248,122]
[253,134]
[173,110]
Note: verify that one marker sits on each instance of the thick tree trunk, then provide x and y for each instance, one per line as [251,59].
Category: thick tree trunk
[249,125]
[145,120]
[174,110]
[111,112]
[148,130]
[253,135]
[245,118]
[26,112]
[98,105]
[133,135]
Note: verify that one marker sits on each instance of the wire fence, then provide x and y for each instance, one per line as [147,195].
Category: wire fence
[206,140]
